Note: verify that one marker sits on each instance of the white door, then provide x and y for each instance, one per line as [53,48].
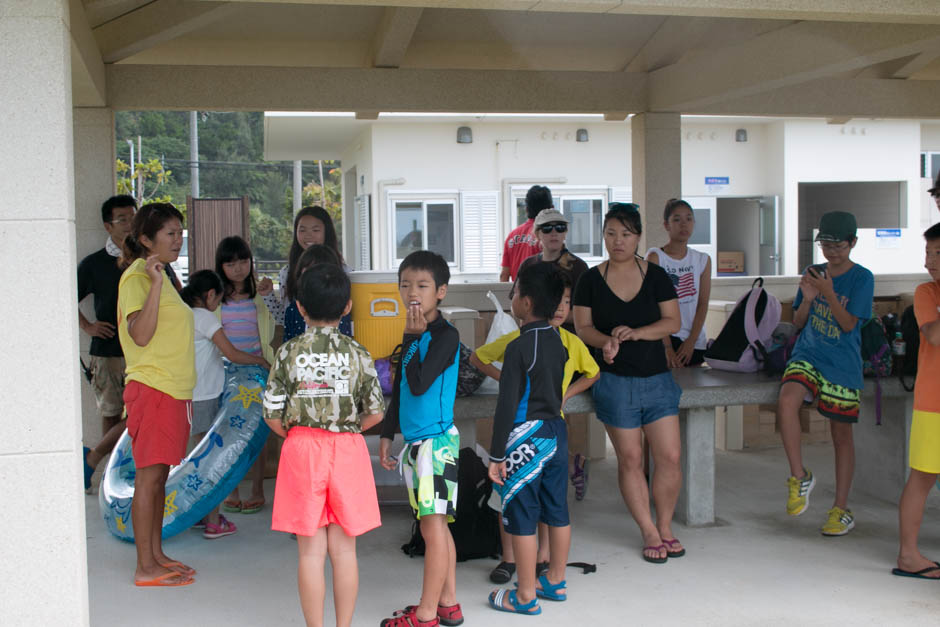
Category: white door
[769,240]
[705,237]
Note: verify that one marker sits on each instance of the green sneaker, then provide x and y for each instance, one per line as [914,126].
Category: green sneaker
[798,500]
[840,522]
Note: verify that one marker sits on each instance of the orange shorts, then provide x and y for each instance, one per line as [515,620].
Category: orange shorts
[324,478]
[158,425]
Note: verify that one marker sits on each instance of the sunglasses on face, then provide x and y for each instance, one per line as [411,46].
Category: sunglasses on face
[547,228]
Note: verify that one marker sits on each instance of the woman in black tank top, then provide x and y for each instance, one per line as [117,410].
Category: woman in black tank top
[624,308]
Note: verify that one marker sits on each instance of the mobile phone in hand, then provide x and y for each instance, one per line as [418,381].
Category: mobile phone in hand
[819,269]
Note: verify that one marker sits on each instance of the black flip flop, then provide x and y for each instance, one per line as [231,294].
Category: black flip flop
[917,574]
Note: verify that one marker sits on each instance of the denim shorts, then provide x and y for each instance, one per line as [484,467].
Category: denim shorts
[632,402]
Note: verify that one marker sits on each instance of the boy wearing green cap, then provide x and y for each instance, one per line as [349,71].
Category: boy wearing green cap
[833,301]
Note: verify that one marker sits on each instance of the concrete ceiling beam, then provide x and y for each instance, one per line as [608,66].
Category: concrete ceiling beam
[88,74]
[918,63]
[156,23]
[258,88]
[898,11]
[393,36]
[798,53]
[839,99]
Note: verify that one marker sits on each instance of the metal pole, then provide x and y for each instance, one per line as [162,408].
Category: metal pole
[298,186]
[130,143]
[322,184]
[194,153]
[140,175]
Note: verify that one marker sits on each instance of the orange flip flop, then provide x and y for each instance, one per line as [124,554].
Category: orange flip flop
[161,581]
[180,567]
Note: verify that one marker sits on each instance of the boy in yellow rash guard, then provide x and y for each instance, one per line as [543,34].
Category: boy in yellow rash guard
[580,361]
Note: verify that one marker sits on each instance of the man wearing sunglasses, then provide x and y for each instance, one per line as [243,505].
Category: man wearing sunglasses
[551,228]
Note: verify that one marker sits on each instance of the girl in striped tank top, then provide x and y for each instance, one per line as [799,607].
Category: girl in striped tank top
[249,326]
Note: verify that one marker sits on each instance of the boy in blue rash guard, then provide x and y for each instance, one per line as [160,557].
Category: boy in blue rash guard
[423,408]
[529,453]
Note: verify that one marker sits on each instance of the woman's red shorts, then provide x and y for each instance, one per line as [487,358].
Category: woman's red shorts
[158,424]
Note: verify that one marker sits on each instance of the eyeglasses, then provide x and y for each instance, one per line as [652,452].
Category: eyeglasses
[547,228]
[833,246]
[120,221]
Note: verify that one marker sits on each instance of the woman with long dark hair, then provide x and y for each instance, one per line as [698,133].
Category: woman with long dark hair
[312,225]
[156,331]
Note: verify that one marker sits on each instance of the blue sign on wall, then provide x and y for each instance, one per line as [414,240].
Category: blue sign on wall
[717,180]
[887,232]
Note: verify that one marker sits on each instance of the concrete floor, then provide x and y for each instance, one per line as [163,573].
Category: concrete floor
[758,566]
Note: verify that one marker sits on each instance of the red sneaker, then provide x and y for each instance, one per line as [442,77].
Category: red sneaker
[408,618]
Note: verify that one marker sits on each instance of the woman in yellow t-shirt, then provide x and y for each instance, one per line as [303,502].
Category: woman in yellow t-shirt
[156,331]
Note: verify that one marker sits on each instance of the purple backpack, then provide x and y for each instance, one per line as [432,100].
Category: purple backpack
[748,333]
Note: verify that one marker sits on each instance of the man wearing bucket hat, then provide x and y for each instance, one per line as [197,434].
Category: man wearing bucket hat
[833,301]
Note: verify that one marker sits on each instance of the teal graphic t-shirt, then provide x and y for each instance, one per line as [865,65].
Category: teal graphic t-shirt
[835,353]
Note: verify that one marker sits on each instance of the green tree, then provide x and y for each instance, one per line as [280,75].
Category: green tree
[150,176]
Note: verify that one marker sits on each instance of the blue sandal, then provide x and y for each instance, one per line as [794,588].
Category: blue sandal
[550,591]
[496,602]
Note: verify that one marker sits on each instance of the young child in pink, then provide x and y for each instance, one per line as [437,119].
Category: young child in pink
[323,391]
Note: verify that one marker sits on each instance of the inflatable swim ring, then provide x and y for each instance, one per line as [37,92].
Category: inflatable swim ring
[210,471]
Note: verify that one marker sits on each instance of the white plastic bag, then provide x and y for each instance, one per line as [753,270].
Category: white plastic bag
[503,323]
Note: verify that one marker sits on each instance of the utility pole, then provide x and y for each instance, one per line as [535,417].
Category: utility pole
[298,185]
[194,153]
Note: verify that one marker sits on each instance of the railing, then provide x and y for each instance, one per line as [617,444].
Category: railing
[269,268]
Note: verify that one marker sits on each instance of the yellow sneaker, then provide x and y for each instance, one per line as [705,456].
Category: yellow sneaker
[840,522]
[799,488]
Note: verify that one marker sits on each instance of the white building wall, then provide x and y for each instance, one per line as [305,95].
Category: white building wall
[777,156]
[710,150]
[428,157]
[862,150]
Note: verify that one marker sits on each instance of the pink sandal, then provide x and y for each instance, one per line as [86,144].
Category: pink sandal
[224,528]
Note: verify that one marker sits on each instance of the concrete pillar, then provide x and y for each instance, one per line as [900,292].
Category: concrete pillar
[657,169]
[93,136]
[43,516]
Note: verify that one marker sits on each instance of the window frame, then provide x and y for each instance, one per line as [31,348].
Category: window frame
[560,193]
[425,197]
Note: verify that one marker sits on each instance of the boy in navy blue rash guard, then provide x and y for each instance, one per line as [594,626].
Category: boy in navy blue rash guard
[423,408]
[529,453]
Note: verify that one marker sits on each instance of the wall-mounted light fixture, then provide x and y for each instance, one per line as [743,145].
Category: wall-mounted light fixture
[464,135]
[581,135]
[740,135]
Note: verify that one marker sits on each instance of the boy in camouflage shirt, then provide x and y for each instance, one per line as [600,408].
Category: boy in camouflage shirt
[323,391]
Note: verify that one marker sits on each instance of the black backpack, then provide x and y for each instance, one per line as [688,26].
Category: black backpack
[476,525]
[910,332]
[469,378]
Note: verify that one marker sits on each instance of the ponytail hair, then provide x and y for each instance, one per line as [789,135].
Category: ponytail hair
[148,221]
[199,285]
